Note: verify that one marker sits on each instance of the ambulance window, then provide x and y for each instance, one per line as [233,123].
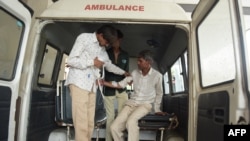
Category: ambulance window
[177,77]
[166,83]
[248,40]
[10,36]
[246,12]
[48,64]
[186,62]
[216,53]
[64,69]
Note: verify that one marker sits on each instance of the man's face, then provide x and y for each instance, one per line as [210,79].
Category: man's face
[117,43]
[142,63]
[102,41]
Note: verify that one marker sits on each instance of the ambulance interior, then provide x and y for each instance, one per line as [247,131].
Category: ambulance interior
[168,42]
[49,45]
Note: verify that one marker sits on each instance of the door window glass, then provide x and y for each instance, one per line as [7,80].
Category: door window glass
[48,65]
[216,46]
[246,19]
[177,77]
[10,34]
[166,83]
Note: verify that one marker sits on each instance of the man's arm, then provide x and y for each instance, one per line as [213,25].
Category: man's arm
[112,84]
[121,84]
[159,93]
[109,66]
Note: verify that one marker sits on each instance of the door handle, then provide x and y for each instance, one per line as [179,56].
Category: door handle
[219,115]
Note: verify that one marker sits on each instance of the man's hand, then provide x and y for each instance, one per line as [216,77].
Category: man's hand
[126,74]
[99,81]
[67,66]
[129,80]
[130,83]
[98,63]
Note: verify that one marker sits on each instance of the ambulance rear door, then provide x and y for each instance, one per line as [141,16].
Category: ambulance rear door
[14,29]
[219,75]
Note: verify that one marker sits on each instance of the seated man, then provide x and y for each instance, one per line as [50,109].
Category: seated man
[147,91]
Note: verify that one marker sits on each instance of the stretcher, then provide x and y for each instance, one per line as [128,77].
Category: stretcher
[158,122]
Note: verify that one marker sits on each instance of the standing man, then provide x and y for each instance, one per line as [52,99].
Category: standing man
[86,58]
[121,59]
[147,92]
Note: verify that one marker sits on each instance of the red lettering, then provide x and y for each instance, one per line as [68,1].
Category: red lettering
[141,8]
[128,8]
[114,7]
[108,7]
[102,7]
[121,8]
[87,7]
[134,8]
[95,7]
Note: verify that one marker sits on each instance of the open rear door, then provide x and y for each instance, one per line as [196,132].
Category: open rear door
[219,90]
[14,29]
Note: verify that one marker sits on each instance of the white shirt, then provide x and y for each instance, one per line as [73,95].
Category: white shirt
[147,89]
[82,71]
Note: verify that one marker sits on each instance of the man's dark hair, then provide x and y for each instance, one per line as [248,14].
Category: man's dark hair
[147,55]
[109,33]
[119,34]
